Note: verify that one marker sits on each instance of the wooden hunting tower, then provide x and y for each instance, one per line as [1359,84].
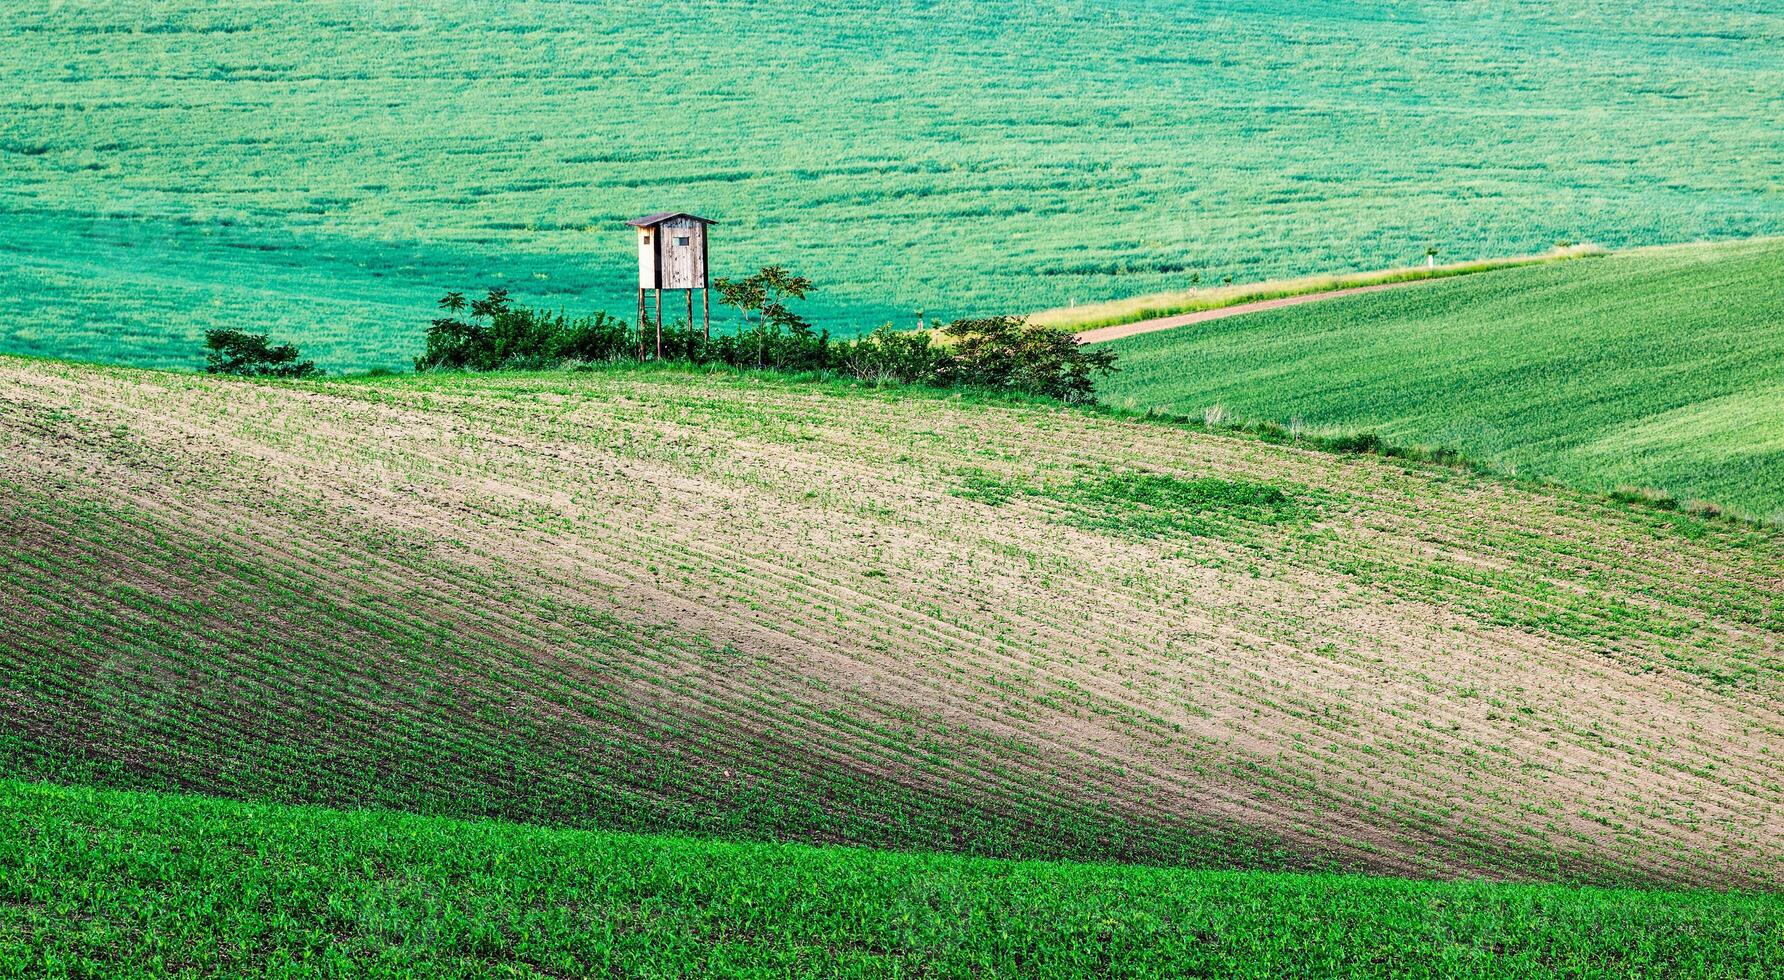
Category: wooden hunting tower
[672,255]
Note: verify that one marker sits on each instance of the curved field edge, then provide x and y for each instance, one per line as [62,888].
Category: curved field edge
[656,600]
[1652,368]
[141,884]
[1153,306]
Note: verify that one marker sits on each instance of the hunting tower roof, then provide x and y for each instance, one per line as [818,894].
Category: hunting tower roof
[653,220]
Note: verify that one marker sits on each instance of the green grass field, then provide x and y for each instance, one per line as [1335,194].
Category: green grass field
[1657,368]
[185,885]
[324,169]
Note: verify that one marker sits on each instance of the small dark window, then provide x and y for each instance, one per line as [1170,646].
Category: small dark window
[681,240]
[647,238]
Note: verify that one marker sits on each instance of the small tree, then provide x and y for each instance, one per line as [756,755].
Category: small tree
[455,344]
[252,355]
[764,296]
[494,302]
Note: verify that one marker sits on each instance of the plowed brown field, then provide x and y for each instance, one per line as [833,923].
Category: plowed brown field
[665,601]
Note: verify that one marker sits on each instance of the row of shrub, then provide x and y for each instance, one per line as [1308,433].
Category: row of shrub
[493,333]
[1001,353]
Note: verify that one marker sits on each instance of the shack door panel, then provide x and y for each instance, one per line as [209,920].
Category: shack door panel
[682,248]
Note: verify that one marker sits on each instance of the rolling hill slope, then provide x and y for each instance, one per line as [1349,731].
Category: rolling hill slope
[185,164]
[1657,368]
[749,607]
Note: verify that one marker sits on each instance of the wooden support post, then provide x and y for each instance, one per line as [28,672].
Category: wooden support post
[706,314]
[641,323]
[690,324]
[659,323]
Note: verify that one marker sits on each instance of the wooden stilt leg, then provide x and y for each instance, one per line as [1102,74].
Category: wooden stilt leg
[706,314]
[659,323]
[641,323]
[690,324]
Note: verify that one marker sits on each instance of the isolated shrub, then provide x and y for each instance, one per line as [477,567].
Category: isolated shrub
[252,355]
[889,356]
[1008,353]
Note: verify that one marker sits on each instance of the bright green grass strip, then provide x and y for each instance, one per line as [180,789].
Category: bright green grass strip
[1138,308]
[133,884]
[1657,368]
[1146,505]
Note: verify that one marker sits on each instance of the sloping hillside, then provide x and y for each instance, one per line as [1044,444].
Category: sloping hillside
[314,164]
[1658,368]
[664,601]
[189,885]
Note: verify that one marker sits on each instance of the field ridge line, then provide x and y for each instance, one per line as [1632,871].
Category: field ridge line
[1121,330]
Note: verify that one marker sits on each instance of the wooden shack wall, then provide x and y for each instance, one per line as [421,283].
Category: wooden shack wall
[684,267]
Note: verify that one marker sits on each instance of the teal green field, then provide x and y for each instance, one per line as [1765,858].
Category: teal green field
[302,891]
[323,170]
[1657,369]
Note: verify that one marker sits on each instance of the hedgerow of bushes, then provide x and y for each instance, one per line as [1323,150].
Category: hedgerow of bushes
[1000,353]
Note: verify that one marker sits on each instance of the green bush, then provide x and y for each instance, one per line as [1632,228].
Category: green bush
[252,355]
[1008,353]
[502,336]
[889,356]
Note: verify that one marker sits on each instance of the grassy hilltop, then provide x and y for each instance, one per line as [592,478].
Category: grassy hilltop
[748,607]
[1658,368]
[323,169]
